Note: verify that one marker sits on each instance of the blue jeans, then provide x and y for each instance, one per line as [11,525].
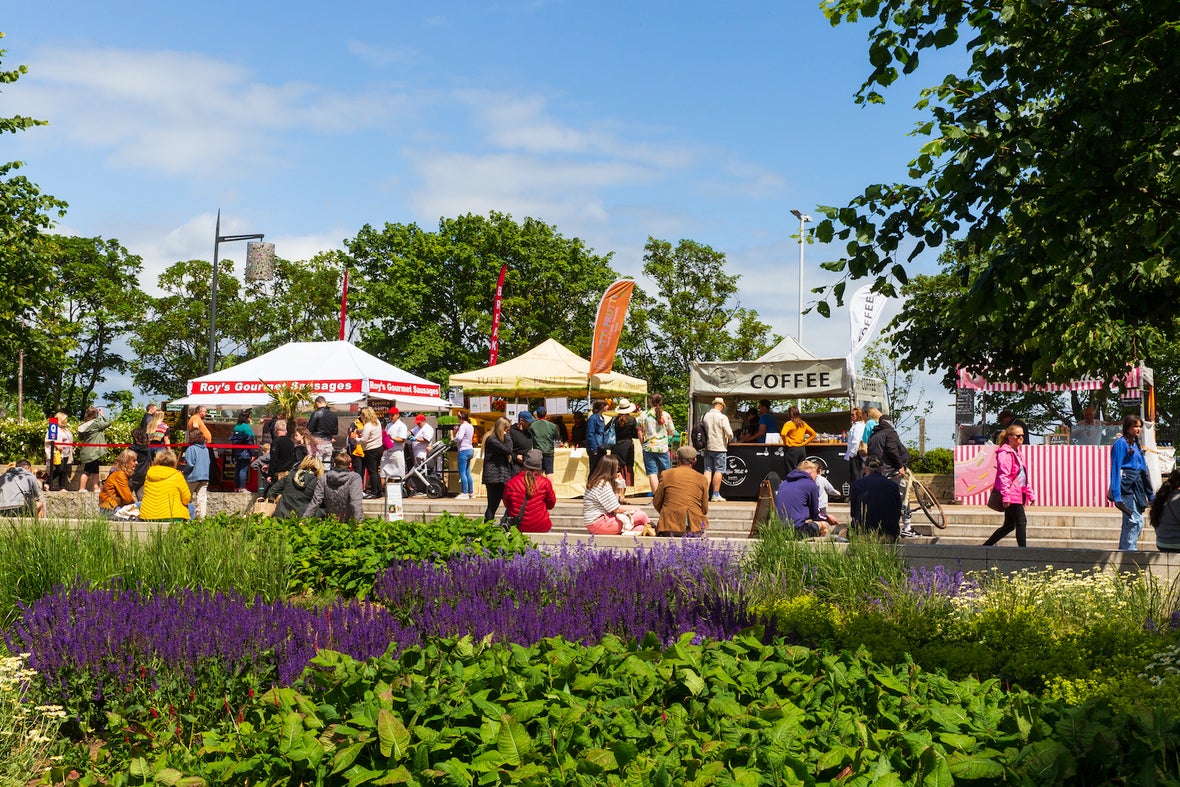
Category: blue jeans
[242,472]
[1132,524]
[466,485]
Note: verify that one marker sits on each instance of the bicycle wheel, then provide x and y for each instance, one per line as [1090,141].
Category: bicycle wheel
[929,504]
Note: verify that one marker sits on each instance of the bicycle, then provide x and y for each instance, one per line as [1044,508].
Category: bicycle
[926,499]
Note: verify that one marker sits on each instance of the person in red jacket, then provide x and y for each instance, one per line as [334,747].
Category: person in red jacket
[541,497]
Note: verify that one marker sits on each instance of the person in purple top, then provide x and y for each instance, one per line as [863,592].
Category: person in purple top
[797,501]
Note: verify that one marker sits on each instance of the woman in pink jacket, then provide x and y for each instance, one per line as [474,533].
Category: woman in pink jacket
[1012,481]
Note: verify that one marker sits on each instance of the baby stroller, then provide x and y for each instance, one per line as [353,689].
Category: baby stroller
[422,478]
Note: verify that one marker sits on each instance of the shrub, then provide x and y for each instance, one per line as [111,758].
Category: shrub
[736,712]
[939,461]
[23,441]
[345,558]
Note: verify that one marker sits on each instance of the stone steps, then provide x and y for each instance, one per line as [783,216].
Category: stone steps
[1082,528]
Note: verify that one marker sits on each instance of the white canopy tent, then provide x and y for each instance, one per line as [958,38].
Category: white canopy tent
[341,372]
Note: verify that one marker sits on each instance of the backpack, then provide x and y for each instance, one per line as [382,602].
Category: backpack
[700,438]
[386,440]
[241,438]
[608,438]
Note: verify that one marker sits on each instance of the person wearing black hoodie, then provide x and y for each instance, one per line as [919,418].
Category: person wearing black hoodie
[885,445]
[294,491]
[339,491]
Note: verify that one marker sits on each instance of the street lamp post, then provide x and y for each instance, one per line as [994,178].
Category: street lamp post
[803,219]
[219,239]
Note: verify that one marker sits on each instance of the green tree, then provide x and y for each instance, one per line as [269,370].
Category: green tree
[172,344]
[424,299]
[24,213]
[693,315]
[907,397]
[1053,158]
[300,304]
[78,336]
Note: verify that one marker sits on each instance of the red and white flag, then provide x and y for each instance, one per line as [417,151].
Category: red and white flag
[494,353]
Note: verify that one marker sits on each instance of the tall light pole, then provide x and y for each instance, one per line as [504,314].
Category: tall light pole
[803,219]
[262,249]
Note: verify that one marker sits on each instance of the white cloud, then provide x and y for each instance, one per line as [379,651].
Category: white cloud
[381,56]
[193,240]
[524,123]
[554,191]
[183,113]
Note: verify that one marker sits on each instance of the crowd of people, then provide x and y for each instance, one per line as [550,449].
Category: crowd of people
[317,469]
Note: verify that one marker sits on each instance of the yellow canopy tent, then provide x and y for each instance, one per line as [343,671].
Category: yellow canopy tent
[549,369]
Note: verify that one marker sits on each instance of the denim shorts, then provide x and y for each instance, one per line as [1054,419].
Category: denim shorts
[715,461]
[547,464]
[654,463]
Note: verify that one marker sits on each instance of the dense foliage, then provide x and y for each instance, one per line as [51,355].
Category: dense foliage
[345,558]
[1050,152]
[25,213]
[424,298]
[721,712]
[695,665]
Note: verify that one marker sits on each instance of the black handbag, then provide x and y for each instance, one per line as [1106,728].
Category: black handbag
[508,521]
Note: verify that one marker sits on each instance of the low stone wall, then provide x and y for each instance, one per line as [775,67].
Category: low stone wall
[941,486]
[84,505]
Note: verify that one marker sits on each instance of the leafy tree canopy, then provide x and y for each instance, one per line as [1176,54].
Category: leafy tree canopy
[74,343]
[693,315]
[24,213]
[172,345]
[1054,157]
[424,299]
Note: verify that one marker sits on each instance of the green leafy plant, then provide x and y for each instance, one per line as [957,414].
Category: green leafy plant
[939,461]
[739,712]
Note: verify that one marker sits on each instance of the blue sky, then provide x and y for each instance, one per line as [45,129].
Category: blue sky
[611,121]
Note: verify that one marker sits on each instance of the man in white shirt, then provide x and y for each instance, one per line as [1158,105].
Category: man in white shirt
[718,434]
[393,461]
[423,436]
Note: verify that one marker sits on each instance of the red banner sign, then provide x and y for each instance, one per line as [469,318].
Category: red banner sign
[258,387]
[379,387]
[494,353]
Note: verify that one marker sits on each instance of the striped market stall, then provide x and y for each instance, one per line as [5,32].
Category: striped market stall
[1062,475]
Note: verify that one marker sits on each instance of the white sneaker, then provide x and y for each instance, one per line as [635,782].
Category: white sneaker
[716,498]
[463,496]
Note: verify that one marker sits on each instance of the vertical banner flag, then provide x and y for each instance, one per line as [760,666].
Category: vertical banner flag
[494,354]
[343,304]
[612,311]
[864,312]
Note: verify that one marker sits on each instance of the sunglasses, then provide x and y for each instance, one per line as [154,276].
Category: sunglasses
[1017,436]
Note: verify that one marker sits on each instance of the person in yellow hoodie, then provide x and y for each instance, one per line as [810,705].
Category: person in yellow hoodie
[165,492]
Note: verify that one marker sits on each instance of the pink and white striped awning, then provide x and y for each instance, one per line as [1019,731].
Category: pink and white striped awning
[1131,381]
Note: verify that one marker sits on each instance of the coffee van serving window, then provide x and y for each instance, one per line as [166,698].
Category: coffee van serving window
[797,380]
